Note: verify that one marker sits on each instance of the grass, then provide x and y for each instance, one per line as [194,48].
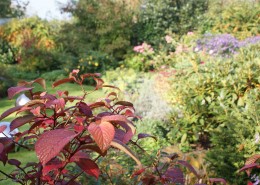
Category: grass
[29,156]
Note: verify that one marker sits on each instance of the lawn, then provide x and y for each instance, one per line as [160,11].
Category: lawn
[27,156]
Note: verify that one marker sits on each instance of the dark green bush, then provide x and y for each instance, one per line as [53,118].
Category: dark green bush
[54,75]
[157,16]
[6,81]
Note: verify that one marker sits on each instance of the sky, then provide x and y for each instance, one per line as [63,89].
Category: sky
[46,9]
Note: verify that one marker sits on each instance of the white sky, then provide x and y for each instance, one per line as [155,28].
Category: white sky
[46,9]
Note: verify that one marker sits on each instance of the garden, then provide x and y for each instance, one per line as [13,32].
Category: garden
[132,92]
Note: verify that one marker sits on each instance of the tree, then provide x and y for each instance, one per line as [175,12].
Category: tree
[11,8]
[100,25]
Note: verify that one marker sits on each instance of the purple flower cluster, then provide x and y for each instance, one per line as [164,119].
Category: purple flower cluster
[250,41]
[223,44]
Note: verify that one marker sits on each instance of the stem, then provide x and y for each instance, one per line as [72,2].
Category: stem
[97,158]
[109,177]
[154,165]
[10,177]
[74,178]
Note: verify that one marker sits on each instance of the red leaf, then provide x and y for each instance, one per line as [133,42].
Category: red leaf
[99,83]
[10,111]
[89,167]
[143,135]
[112,94]
[217,180]
[51,143]
[3,154]
[111,86]
[12,91]
[129,113]
[122,136]
[85,109]
[138,172]
[248,167]
[87,75]
[78,155]
[2,147]
[20,121]
[40,81]
[14,162]
[115,118]
[57,104]
[187,165]
[121,146]
[59,82]
[122,121]
[252,159]
[102,133]
[53,165]
[2,128]
[8,143]
[175,175]
[60,93]
[97,105]
[36,111]
[79,128]
[125,103]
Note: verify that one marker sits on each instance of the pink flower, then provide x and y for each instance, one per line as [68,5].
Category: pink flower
[143,48]
[168,39]
[190,33]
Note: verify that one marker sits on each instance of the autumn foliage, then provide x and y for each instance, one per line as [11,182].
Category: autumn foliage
[66,134]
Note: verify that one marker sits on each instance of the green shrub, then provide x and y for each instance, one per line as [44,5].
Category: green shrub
[217,98]
[19,73]
[7,53]
[6,81]
[103,26]
[53,75]
[95,61]
[237,17]
[237,138]
[157,16]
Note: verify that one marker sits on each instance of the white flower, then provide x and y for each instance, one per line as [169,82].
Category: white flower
[211,52]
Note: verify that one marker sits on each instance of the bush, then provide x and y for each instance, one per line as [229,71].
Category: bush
[6,81]
[223,45]
[89,61]
[53,75]
[214,99]
[237,17]
[32,40]
[157,16]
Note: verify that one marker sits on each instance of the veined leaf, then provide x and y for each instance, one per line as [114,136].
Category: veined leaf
[121,146]
[51,143]
[102,133]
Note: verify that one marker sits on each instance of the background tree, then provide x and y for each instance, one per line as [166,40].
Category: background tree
[11,8]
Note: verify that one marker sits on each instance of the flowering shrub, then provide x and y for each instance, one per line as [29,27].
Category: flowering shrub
[223,44]
[142,61]
[144,48]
